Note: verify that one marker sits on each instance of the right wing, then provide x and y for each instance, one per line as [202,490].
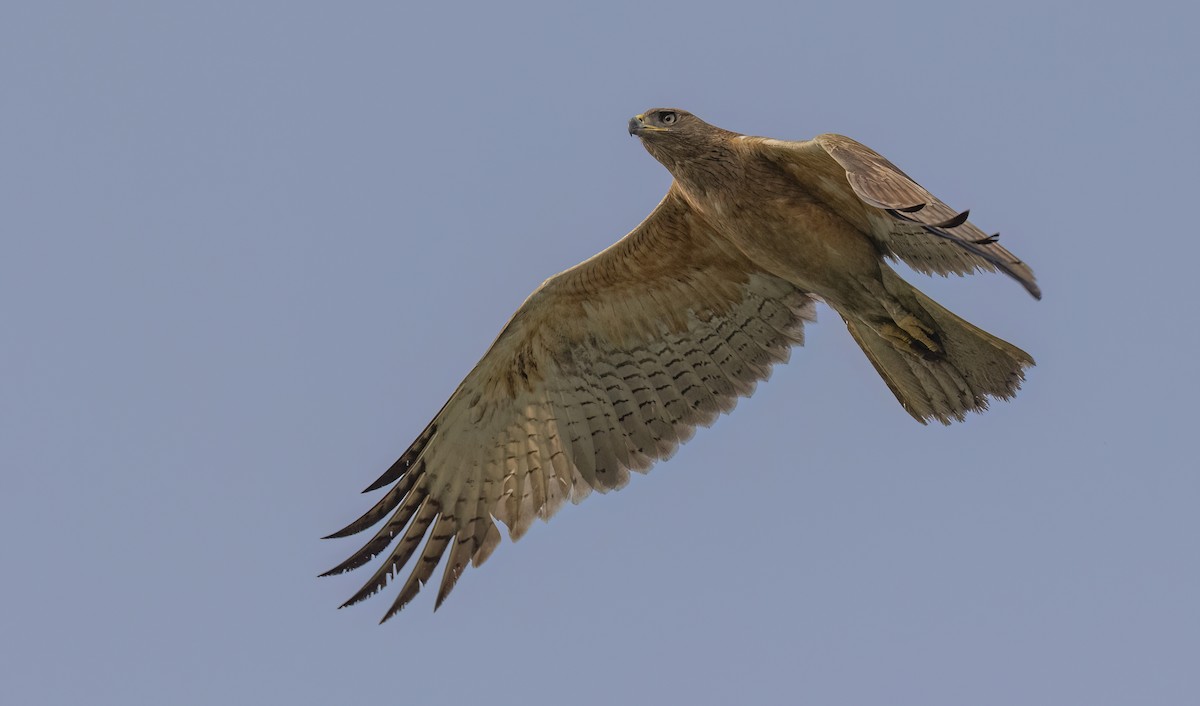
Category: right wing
[606,368]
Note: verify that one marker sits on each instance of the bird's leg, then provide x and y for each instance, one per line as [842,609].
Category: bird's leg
[894,315]
[907,331]
[911,334]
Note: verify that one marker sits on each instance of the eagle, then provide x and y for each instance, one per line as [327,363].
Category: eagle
[612,364]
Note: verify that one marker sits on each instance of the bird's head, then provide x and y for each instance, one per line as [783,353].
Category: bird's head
[675,137]
[662,120]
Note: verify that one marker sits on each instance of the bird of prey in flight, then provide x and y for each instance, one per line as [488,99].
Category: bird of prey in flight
[609,366]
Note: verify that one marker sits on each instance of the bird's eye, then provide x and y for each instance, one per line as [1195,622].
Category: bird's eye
[667,118]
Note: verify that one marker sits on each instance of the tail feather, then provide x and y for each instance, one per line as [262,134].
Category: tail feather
[968,367]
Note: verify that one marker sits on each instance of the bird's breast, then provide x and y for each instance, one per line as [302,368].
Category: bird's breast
[798,237]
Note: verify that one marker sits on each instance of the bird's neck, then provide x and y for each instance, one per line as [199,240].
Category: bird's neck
[706,172]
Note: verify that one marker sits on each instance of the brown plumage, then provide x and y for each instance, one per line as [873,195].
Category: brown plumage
[610,365]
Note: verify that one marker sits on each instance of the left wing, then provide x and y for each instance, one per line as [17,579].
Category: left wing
[916,226]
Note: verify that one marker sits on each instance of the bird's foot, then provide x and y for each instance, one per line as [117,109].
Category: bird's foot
[908,332]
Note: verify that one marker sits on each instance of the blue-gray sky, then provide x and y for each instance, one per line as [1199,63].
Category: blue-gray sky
[249,250]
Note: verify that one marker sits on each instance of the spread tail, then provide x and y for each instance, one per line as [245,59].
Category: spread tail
[938,365]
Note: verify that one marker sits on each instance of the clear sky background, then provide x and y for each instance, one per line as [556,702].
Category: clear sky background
[248,250]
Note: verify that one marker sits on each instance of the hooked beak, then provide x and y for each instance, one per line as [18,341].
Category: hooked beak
[637,125]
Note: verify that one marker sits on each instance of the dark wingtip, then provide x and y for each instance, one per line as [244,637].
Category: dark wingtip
[393,611]
[345,531]
[341,568]
[953,221]
[369,589]
[407,461]
[901,214]
[453,572]
[390,474]
[359,558]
